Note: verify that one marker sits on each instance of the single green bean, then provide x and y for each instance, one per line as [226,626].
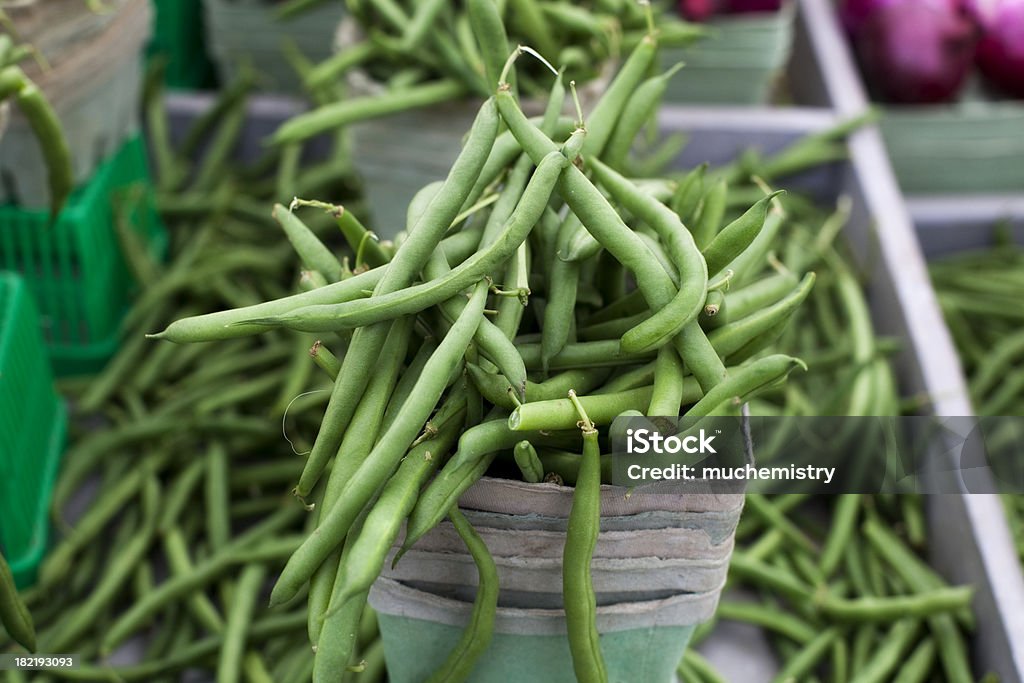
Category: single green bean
[349,111]
[918,665]
[768,618]
[669,384]
[638,112]
[529,462]
[312,252]
[801,665]
[491,37]
[925,604]
[14,615]
[47,129]
[711,214]
[738,235]
[844,522]
[180,564]
[579,599]
[237,625]
[883,665]
[746,381]
[226,324]
[603,408]
[463,659]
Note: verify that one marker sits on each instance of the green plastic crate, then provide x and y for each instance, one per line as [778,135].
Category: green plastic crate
[970,147]
[178,36]
[737,64]
[32,431]
[74,267]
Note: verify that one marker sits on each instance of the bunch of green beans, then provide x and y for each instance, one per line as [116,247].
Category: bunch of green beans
[845,591]
[625,280]
[172,503]
[984,317]
[428,52]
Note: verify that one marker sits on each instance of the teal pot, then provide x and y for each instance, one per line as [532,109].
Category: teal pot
[970,147]
[659,566]
[640,641]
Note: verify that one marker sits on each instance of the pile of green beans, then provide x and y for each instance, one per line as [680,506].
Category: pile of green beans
[845,591]
[172,505]
[428,52]
[984,317]
[983,314]
[537,291]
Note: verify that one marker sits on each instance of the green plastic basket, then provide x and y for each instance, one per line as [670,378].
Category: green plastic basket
[32,431]
[74,267]
[968,147]
[178,36]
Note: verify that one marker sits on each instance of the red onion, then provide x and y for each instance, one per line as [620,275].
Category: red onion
[696,10]
[752,6]
[916,51]
[853,13]
[1001,50]
[701,10]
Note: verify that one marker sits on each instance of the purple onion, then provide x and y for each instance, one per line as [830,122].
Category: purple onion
[1000,54]
[854,13]
[696,10]
[702,10]
[752,6]
[915,51]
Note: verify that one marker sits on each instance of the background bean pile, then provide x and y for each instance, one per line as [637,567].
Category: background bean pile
[985,319]
[177,481]
[423,53]
[865,547]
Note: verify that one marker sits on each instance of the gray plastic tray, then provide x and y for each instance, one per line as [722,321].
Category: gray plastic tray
[946,225]
[949,224]
[970,540]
